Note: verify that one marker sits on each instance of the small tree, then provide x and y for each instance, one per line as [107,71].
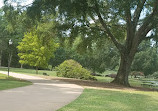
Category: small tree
[34,52]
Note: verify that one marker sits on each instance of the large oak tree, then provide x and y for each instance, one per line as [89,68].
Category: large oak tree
[130,20]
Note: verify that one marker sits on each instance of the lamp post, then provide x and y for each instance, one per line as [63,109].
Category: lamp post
[10,55]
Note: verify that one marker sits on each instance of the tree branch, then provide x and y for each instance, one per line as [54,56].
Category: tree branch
[145,28]
[129,23]
[106,29]
[130,31]
[138,12]
[150,19]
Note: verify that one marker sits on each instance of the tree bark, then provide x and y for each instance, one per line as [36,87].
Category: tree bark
[9,62]
[124,70]
[36,70]
[0,58]
[21,66]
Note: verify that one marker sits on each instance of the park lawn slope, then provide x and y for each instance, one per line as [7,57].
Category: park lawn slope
[110,100]
[8,83]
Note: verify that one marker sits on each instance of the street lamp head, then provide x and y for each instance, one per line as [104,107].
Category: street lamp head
[10,42]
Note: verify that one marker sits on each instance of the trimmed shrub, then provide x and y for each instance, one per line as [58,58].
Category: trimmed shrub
[73,69]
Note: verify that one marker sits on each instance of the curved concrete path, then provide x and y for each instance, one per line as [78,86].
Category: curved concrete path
[43,95]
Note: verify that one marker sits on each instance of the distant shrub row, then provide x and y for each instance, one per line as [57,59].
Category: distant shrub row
[72,69]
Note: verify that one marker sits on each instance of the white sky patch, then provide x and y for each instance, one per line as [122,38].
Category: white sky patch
[91,22]
[27,2]
[149,33]
[122,22]
[1,3]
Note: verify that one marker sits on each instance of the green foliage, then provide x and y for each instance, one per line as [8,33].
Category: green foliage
[11,15]
[78,18]
[155,74]
[3,32]
[146,59]
[12,27]
[61,54]
[73,69]
[36,50]
[98,59]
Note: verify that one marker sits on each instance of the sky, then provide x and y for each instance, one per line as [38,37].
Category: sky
[1,3]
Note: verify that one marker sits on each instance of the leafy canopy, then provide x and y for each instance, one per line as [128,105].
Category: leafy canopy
[36,48]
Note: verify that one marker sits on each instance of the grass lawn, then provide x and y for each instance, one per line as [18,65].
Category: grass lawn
[8,83]
[29,71]
[104,79]
[107,100]
[108,72]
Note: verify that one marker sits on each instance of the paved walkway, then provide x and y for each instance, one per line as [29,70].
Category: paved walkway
[43,95]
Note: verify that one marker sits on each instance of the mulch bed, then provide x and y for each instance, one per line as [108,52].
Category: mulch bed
[96,84]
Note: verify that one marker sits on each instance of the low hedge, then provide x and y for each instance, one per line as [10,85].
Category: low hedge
[72,69]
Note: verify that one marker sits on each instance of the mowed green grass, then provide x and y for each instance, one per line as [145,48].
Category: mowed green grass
[108,100]
[29,71]
[8,83]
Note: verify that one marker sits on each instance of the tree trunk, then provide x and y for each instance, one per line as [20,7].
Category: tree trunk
[124,70]
[36,70]
[21,66]
[10,58]
[0,58]
[9,62]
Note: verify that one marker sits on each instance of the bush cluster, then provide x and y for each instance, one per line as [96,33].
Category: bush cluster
[72,69]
